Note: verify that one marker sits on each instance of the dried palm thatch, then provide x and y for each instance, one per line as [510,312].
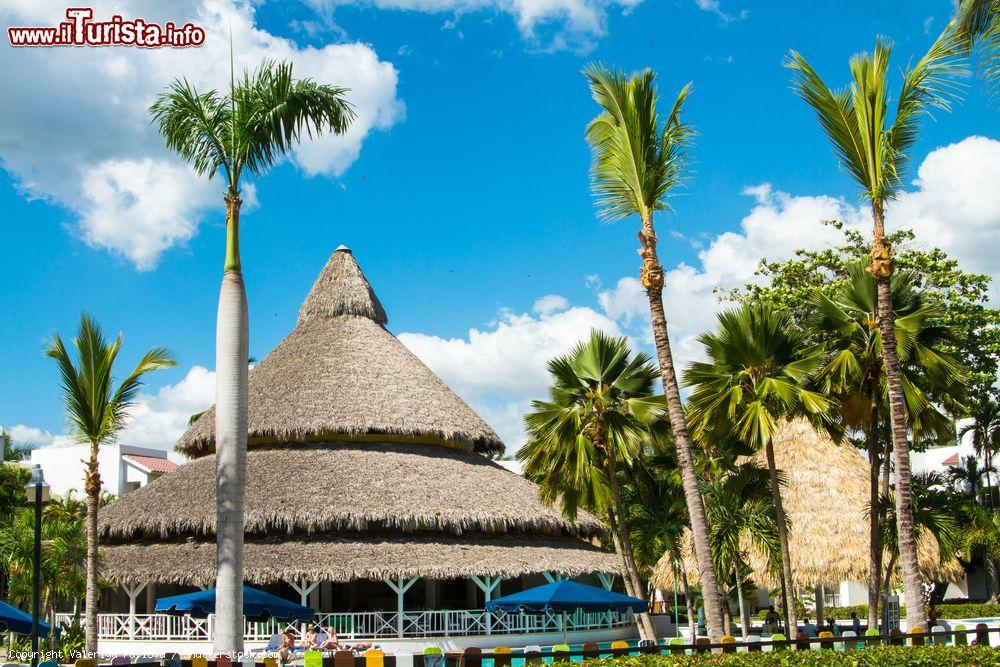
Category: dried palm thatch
[322,487]
[347,557]
[667,574]
[340,375]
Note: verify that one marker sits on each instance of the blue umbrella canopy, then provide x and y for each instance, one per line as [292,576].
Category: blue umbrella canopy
[567,596]
[257,605]
[15,620]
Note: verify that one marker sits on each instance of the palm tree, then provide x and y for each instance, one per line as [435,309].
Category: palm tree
[741,515]
[10,451]
[983,534]
[875,154]
[969,475]
[66,507]
[985,430]
[977,26]
[754,377]
[97,411]
[246,131]
[637,163]
[593,424]
[846,324]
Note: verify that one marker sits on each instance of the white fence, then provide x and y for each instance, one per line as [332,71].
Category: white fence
[360,625]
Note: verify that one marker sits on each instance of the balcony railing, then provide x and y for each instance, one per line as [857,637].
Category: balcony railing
[358,625]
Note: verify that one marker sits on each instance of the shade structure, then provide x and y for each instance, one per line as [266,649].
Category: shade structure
[15,620]
[257,605]
[567,596]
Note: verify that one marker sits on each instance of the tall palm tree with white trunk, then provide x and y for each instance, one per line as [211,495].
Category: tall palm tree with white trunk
[246,131]
[874,149]
[96,411]
[638,161]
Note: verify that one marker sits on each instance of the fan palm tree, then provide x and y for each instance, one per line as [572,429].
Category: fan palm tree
[245,131]
[754,377]
[874,150]
[638,161]
[591,426]
[97,410]
[741,515]
[977,26]
[985,436]
[847,324]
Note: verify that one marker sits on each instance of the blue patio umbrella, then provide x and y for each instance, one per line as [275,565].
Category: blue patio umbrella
[257,605]
[567,597]
[15,620]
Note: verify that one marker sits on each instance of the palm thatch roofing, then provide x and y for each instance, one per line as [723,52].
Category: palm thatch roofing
[313,488]
[348,557]
[825,497]
[340,375]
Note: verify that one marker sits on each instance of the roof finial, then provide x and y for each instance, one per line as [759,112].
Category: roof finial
[342,248]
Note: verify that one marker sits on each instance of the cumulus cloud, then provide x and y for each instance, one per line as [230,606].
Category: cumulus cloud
[550,303]
[715,7]
[80,134]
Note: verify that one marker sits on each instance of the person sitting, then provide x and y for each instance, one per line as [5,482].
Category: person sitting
[287,651]
[309,641]
[331,643]
[855,623]
[808,628]
[772,622]
[831,626]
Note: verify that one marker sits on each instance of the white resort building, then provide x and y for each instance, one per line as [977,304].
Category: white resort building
[370,496]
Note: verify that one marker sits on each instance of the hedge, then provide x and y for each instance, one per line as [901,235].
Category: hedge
[964,610]
[894,656]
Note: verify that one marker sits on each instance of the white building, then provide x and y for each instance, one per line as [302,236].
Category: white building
[123,468]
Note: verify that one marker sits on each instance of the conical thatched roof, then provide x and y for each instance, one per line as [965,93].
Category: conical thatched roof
[354,487]
[340,375]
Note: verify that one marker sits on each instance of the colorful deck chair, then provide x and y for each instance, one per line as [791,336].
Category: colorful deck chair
[918,637]
[940,640]
[312,659]
[850,641]
[273,662]
[472,657]
[48,663]
[982,635]
[778,637]
[753,643]
[343,659]
[171,660]
[433,657]
[870,635]
[728,643]
[560,653]
[676,645]
[115,661]
[404,659]
[533,654]
[702,645]
[801,642]
[961,639]
[374,658]
[591,651]
[199,661]
[827,635]
[85,662]
[501,656]
[248,661]
[619,648]
[223,661]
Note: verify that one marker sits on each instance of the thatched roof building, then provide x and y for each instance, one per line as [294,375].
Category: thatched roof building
[361,464]
[825,496]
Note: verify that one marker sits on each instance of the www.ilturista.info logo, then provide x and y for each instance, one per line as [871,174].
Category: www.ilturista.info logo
[81,30]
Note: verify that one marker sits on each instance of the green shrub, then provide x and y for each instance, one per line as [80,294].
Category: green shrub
[936,656]
[947,610]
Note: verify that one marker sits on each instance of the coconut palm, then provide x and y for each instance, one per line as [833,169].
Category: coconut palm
[638,161]
[67,507]
[754,377]
[591,426]
[10,451]
[846,323]
[874,150]
[245,131]
[985,435]
[96,411]
[977,26]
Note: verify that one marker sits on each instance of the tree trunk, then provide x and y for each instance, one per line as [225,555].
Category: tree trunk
[689,603]
[92,485]
[875,518]
[53,645]
[881,270]
[231,351]
[643,622]
[744,621]
[820,606]
[786,560]
[651,276]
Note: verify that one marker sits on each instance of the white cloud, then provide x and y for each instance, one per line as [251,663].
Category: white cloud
[549,304]
[80,133]
[715,7]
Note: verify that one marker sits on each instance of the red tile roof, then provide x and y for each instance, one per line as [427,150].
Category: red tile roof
[951,460]
[152,463]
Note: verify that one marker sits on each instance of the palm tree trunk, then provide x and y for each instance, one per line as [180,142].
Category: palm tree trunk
[651,276]
[875,519]
[53,645]
[231,351]
[689,603]
[786,560]
[744,621]
[620,550]
[643,621]
[881,269]
[93,487]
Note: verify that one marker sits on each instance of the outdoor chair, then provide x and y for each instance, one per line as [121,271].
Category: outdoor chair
[374,658]
[472,657]
[961,639]
[270,662]
[591,651]
[85,662]
[433,657]
[918,637]
[501,657]
[343,659]
[826,634]
[982,635]
[896,637]
[801,642]
[560,653]
[753,643]
[273,644]
[12,664]
[871,632]
[248,661]
[676,645]
[223,661]
[199,661]
[619,648]
[48,663]
[171,660]
[120,660]
[404,659]
[533,655]
[728,644]
[778,637]
[850,643]
[313,659]
[939,641]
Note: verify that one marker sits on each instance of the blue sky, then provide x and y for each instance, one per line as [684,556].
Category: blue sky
[465,197]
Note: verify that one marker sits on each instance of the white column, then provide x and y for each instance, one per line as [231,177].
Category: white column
[400,586]
[303,587]
[487,585]
[133,595]
[608,582]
